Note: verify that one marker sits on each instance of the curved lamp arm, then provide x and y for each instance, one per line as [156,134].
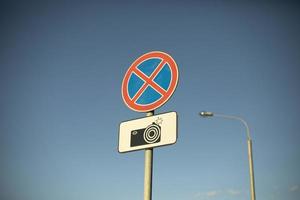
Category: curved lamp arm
[211,114]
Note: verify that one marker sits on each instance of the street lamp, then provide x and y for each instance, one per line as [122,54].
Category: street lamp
[249,142]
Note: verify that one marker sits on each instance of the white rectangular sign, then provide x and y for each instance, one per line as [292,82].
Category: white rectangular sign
[148,132]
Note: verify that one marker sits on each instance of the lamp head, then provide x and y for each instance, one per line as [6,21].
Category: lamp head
[206,114]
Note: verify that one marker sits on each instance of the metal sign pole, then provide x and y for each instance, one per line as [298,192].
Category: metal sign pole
[148,169]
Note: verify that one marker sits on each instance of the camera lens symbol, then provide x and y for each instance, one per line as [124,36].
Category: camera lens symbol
[152,133]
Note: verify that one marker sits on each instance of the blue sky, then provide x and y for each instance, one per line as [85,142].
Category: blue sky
[61,69]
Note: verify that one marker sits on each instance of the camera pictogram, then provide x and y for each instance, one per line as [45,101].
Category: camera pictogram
[149,135]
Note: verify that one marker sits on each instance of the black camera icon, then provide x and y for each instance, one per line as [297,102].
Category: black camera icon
[148,135]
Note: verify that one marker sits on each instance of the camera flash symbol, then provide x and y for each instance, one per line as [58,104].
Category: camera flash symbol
[159,121]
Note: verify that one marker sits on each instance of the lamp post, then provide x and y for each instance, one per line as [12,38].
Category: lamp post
[249,142]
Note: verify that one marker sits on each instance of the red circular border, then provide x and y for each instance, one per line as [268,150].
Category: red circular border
[169,92]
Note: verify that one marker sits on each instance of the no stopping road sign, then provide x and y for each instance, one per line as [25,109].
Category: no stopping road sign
[150,81]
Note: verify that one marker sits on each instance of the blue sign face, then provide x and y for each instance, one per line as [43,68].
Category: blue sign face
[151,93]
[150,81]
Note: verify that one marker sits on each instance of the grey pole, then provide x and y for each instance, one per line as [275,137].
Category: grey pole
[251,170]
[148,170]
[249,143]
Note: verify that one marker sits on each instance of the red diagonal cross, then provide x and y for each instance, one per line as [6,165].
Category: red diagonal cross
[149,81]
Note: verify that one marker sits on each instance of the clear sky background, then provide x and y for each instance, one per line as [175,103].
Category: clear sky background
[61,68]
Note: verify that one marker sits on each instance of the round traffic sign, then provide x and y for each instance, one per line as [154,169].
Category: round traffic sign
[150,81]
